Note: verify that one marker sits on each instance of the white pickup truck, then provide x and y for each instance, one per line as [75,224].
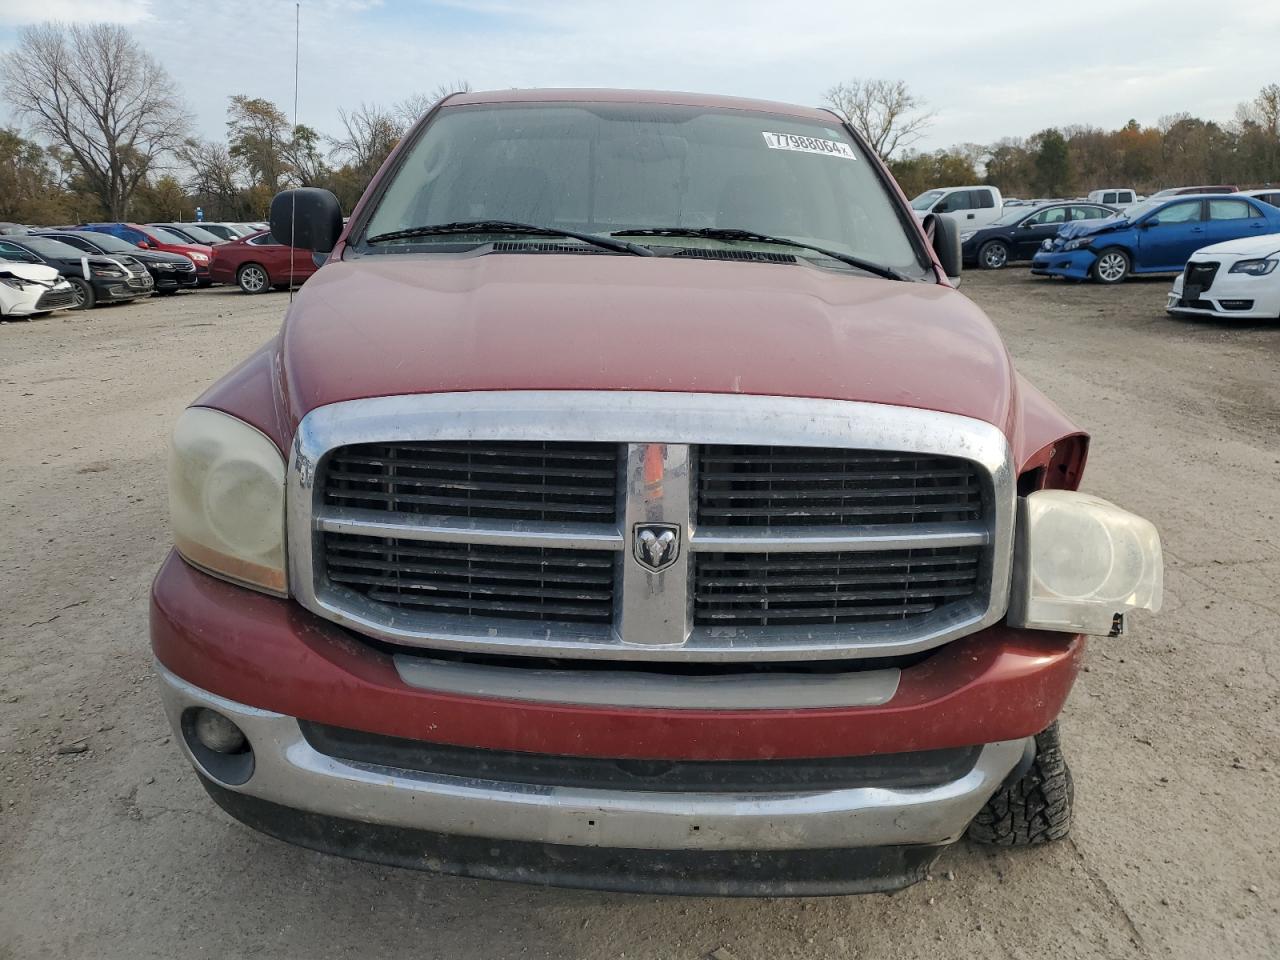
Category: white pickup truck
[972,207]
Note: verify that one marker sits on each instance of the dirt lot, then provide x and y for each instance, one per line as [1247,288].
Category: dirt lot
[1173,733]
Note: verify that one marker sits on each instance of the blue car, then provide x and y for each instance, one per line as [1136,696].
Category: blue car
[1155,236]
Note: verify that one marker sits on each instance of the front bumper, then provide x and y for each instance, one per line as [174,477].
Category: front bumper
[1063,263]
[267,664]
[1230,296]
[356,808]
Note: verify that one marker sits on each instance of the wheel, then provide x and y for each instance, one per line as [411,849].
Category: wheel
[1035,808]
[85,298]
[252,278]
[994,255]
[1112,266]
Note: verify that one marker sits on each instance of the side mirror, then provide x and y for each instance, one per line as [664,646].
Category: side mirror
[946,244]
[142,244]
[308,217]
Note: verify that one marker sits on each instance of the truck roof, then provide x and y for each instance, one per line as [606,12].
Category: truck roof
[670,97]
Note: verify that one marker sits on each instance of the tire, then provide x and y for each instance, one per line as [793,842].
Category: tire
[994,255]
[253,278]
[85,298]
[1112,266]
[1035,808]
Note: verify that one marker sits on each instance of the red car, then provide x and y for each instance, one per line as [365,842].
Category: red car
[158,238]
[631,501]
[257,263]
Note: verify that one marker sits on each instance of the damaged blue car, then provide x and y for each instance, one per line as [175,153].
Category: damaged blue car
[1156,236]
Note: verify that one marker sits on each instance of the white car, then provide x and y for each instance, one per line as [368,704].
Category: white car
[31,290]
[1237,279]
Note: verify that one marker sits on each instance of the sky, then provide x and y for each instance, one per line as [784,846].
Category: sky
[988,71]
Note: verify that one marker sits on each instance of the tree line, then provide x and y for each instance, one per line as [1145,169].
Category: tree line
[107,136]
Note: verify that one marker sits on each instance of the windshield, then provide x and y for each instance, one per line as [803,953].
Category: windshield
[199,233]
[1011,217]
[51,248]
[600,168]
[926,199]
[105,241]
[1145,207]
[167,236]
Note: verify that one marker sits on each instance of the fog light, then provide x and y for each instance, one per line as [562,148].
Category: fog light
[216,732]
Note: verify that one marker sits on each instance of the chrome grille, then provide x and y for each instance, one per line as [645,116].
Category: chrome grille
[570,482]
[474,580]
[765,589]
[789,486]
[512,522]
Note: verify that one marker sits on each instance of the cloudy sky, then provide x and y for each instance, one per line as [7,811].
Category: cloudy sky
[988,72]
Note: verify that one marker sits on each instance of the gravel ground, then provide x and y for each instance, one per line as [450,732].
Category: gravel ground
[109,848]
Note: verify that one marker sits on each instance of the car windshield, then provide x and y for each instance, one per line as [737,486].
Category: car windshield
[199,233]
[926,199]
[51,248]
[1145,207]
[105,241]
[167,236]
[602,168]
[1010,217]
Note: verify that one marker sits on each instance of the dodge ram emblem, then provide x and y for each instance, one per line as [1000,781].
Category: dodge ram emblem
[656,545]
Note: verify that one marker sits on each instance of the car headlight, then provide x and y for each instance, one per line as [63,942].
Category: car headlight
[198,257]
[109,274]
[1081,564]
[16,282]
[226,499]
[967,236]
[1078,244]
[1254,268]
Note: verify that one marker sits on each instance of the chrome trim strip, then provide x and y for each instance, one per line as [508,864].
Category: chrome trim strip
[289,771]
[833,539]
[637,689]
[672,420]
[405,526]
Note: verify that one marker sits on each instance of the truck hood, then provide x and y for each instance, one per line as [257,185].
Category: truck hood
[404,324]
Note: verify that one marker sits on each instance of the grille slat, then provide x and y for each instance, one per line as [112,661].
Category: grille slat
[517,480]
[774,487]
[524,583]
[759,590]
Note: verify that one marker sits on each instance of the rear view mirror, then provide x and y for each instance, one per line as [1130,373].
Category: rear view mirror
[307,217]
[946,244]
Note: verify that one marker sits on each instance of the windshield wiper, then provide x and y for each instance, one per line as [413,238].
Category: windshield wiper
[750,236]
[510,226]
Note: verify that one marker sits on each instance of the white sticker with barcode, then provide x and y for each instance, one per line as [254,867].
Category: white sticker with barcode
[791,141]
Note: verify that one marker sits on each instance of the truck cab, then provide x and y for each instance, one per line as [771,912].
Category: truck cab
[630,501]
[972,207]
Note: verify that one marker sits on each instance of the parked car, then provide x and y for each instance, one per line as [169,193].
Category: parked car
[1155,236]
[223,231]
[1269,195]
[1236,280]
[170,272]
[972,207]
[1020,232]
[94,279]
[501,646]
[1188,191]
[158,238]
[1113,196]
[32,290]
[192,232]
[258,263]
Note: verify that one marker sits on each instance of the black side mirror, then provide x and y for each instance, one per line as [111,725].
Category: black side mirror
[946,243]
[307,217]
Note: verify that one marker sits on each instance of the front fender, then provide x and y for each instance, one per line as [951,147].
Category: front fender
[1048,448]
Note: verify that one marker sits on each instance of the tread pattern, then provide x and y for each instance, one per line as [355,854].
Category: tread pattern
[1035,808]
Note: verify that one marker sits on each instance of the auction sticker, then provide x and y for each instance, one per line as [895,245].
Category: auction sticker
[791,141]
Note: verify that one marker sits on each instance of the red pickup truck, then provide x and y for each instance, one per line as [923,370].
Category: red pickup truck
[632,502]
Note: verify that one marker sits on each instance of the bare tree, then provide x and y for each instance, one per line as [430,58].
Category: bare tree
[93,91]
[885,112]
[217,178]
[414,106]
[370,134]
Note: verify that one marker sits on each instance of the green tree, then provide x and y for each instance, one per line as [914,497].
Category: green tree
[1052,163]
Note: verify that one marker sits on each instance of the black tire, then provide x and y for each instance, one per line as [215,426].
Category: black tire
[253,278]
[994,255]
[1112,266]
[85,298]
[1035,808]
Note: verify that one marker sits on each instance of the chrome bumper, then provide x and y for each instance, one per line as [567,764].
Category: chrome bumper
[290,773]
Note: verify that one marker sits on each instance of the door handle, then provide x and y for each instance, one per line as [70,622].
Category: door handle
[970,217]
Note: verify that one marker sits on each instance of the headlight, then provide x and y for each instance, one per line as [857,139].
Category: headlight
[1078,244]
[110,274]
[198,257]
[16,282]
[1254,268]
[226,499]
[1047,244]
[1081,564]
[967,236]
